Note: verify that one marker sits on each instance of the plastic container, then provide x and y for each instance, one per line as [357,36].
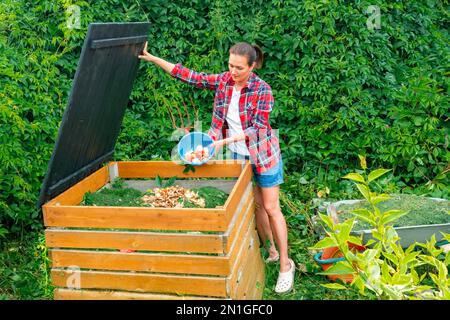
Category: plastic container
[408,234]
[331,255]
[190,142]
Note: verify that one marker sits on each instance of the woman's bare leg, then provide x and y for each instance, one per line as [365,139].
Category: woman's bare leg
[271,203]
[263,224]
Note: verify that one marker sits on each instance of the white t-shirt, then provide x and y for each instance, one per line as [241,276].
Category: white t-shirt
[234,124]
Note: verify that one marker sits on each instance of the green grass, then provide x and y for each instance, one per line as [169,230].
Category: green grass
[421,210]
[24,268]
[123,197]
[213,196]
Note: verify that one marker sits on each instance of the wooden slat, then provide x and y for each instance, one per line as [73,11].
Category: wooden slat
[68,294]
[256,287]
[141,282]
[249,216]
[242,256]
[154,241]
[165,169]
[241,212]
[247,222]
[114,42]
[148,262]
[135,218]
[250,271]
[246,272]
[75,194]
[233,199]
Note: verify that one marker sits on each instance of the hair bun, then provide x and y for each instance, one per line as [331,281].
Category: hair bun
[253,53]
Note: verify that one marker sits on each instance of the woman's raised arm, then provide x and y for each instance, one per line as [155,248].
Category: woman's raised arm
[199,79]
[165,65]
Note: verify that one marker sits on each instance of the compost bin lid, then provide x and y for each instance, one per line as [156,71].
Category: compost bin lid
[100,91]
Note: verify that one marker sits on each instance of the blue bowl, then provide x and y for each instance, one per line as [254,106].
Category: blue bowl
[193,140]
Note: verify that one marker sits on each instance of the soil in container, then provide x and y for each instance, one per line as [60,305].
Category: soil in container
[421,210]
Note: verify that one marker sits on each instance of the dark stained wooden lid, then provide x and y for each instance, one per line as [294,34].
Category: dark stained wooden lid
[100,91]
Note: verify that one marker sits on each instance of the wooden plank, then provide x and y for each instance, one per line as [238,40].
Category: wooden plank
[250,270]
[247,222]
[143,218]
[256,289]
[68,294]
[148,262]
[236,194]
[153,241]
[241,259]
[166,169]
[75,194]
[114,42]
[232,241]
[247,201]
[142,282]
[246,273]
[64,183]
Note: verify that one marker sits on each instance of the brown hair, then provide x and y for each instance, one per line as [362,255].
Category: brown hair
[252,52]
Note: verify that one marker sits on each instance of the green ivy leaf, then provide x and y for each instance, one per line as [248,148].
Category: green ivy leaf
[334,286]
[364,215]
[364,191]
[340,267]
[377,173]
[325,243]
[362,161]
[380,198]
[355,177]
[327,220]
[158,181]
[170,182]
[392,215]
[188,168]
[447,259]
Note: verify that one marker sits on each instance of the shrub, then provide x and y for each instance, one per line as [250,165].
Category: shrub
[340,89]
[385,268]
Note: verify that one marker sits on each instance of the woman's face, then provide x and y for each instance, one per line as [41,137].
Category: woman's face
[239,68]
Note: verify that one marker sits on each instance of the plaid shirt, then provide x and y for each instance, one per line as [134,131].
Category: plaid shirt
[255,104]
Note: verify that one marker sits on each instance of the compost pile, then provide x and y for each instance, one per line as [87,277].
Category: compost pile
[173,197]
[167,197]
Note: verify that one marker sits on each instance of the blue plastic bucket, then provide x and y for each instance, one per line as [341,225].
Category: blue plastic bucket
[191,141]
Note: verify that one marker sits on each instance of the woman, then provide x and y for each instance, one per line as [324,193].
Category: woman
[242,104]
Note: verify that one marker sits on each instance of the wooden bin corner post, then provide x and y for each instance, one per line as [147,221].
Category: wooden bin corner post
[176,253]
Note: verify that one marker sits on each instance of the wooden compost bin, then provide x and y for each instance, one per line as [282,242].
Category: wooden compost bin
[185,253]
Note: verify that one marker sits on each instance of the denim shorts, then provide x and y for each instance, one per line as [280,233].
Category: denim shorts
[270,178]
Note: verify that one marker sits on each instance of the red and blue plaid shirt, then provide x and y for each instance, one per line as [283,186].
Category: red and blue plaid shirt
[255,104]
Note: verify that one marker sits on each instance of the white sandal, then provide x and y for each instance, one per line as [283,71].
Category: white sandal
[273,259]
[285,281]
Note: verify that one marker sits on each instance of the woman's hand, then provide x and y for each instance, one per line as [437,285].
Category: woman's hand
[145,55]
[167,66]
[235,138]
[218,143]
